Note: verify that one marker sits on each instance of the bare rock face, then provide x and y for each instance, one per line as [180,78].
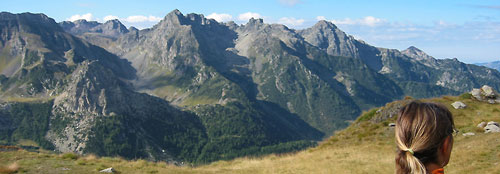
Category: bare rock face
[83,100]
[86,92]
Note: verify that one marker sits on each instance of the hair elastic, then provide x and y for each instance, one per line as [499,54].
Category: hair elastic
[409,150]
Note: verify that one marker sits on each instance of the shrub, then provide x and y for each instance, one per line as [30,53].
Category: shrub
[408,98]
[447,98]
[368,115]
[465,96]
[69,156]
[81,162]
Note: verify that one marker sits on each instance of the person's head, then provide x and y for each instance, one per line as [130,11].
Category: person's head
[423,137]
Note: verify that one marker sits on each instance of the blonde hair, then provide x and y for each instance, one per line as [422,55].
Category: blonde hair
[420,130]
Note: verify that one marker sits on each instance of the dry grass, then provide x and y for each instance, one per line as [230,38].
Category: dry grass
[90,157]
[364,147]
[11,168]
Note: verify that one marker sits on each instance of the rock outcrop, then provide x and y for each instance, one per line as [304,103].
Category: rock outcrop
[108,170]
[458,105]
[486,94]
[481,125]
[492,127]
[468,134]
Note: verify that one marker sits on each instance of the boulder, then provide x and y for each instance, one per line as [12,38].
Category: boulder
[488,91]
[493,123]
[469,134]
[108,170]
[481,125]
[458,105]
[492,127]
[476,93]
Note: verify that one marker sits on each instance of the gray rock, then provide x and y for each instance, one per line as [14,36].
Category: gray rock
[458,105]
[492,127]
[488,91]
[334,41]
[491,101]
[476,93]
[481,125]
[493,123]
[108,170]
[392,125]
[469,134]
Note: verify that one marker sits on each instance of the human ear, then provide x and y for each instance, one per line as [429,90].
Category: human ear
[445,150]
[447,144]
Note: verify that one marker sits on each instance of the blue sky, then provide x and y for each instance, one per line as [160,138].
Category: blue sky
[466,29]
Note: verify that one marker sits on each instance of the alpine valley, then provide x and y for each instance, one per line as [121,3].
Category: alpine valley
[191,89]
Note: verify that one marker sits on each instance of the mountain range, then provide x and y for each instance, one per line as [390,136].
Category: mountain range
[493,65]
[193,89]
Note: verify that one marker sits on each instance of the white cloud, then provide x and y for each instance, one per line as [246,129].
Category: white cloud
[371,21]
[346,21]
[319,18]
[220,17]
[289,2]
[248,15]
[291,21]
[110,17]
[140,18]
[87,17]
[367,21]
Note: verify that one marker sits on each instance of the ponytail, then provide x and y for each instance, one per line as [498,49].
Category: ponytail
[406,162]
[418,135]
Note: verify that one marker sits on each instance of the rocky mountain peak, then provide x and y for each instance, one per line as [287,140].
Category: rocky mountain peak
[416,53]
[111,28]
[253,24]
[175,12]
[413,49]
[254,21]
[327,36]
[323,24]
[85,22]
[27,20]
[175,17]
[132,29]
[115,25]
[114,22]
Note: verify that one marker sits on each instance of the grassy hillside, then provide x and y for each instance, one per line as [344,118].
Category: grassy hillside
[367,146]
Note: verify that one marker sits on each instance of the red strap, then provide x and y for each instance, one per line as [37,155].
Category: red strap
[438,171]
